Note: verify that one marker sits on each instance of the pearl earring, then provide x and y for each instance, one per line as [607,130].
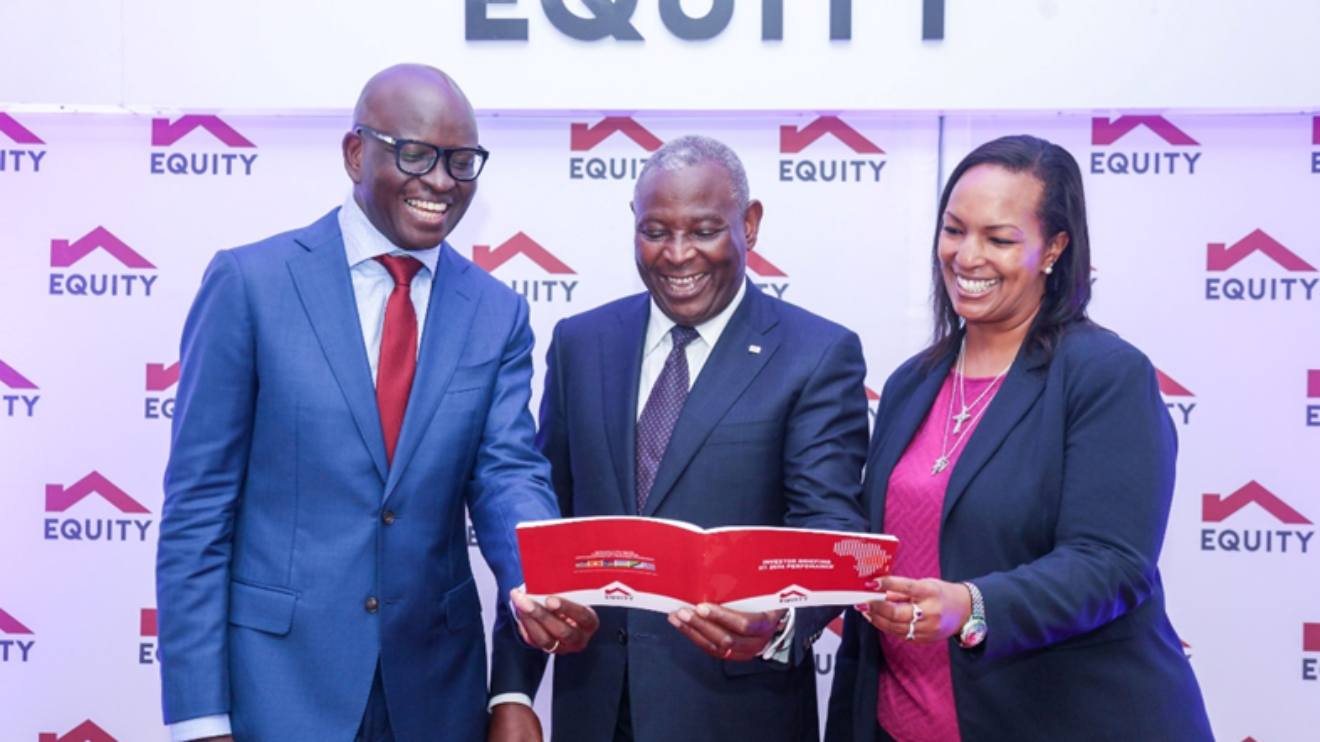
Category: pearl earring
[1049,269]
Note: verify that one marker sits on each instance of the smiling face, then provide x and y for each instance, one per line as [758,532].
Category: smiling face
[991,249]
[409,102]
[692,240]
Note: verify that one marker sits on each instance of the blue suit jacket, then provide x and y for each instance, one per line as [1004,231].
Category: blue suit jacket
[1056,510]
[769,438]
[282,518]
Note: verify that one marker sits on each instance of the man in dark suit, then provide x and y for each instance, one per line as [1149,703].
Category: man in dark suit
[347,390]
[706,401]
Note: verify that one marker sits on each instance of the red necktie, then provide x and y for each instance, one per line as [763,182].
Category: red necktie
[398,349]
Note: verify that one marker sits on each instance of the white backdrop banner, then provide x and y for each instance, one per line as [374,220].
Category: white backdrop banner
[1205,257]
[633,55]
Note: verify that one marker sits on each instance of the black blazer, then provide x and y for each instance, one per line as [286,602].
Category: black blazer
[1056,510]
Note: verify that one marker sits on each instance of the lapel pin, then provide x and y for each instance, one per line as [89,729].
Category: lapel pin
[754,349]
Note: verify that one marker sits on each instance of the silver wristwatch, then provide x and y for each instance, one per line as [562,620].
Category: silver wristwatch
[973,632]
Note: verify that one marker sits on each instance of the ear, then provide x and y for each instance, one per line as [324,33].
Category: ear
[1054,250]
[752,222]
[352,147]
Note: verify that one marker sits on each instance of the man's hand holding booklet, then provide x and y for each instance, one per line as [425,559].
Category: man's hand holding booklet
[664,565]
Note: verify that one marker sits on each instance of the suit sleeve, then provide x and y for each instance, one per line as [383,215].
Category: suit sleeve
[1117,484]
[212,431]
[510,480]
[824,449]
[516,667]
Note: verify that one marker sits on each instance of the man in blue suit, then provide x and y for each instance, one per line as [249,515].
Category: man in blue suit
[347,389]
[706,401]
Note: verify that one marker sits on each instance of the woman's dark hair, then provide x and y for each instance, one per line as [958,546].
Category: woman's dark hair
[1062,209]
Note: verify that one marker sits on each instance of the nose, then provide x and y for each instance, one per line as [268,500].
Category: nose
[439,179]
[680,249]
[971,253]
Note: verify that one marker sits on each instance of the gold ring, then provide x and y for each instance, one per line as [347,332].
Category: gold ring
[553,647]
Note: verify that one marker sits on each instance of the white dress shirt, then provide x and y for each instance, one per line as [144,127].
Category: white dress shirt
[659,342]
[372,285]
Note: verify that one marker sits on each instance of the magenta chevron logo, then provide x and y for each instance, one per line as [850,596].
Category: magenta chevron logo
[10,377]
[60,498]
[17,132]
[1105,132]
[64,253]
[164,133]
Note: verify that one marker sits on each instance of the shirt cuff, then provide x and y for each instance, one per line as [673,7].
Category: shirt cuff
[200,728]
[521,698]
[780,648]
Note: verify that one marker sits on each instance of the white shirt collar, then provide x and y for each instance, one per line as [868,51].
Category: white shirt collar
[659,324]
[362,241]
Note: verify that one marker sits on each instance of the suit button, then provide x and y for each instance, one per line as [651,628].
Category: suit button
[372,605]
[623,636]
[387,517]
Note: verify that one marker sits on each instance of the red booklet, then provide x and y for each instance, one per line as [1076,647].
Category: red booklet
[663,565]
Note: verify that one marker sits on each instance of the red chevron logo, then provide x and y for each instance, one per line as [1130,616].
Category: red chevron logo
[1216,508]
[147,622]
[519,244]
[1218,257]
[793,140]
[1311,637]
[757,264]
[1105,132]
[582,137]
[84,732]
[60,499]
[1171,388]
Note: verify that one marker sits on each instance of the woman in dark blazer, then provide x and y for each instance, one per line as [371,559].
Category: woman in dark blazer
[1026,461]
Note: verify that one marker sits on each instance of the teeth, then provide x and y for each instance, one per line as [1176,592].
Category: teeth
[976,286]
[433,206]
[683,282]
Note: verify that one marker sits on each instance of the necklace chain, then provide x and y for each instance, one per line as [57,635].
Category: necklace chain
[956,421]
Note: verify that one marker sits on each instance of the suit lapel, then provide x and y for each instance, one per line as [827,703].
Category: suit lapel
[895,436]
[1021,387]
[623,342]
[321,278]
[728,371]
[444,337]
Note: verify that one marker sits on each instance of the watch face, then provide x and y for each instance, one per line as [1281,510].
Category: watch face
[973,633]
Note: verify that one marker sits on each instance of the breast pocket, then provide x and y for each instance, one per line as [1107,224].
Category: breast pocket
[472,378]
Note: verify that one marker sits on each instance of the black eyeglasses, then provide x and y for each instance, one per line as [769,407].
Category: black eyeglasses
[419,158]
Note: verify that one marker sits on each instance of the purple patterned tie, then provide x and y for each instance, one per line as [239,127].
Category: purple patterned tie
[661,412]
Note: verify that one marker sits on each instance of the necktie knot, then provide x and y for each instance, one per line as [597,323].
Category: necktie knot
[682,335]
[401,268]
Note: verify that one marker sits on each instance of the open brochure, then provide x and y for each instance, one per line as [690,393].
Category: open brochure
[663,565]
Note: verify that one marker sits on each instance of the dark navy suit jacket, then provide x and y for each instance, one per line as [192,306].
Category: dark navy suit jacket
[282,518]
[1056,510]
[775,437]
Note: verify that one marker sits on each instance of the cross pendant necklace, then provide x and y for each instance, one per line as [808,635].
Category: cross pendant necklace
[958,395]
[958,421]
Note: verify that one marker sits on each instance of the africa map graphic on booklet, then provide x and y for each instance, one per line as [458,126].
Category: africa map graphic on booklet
[663,565]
